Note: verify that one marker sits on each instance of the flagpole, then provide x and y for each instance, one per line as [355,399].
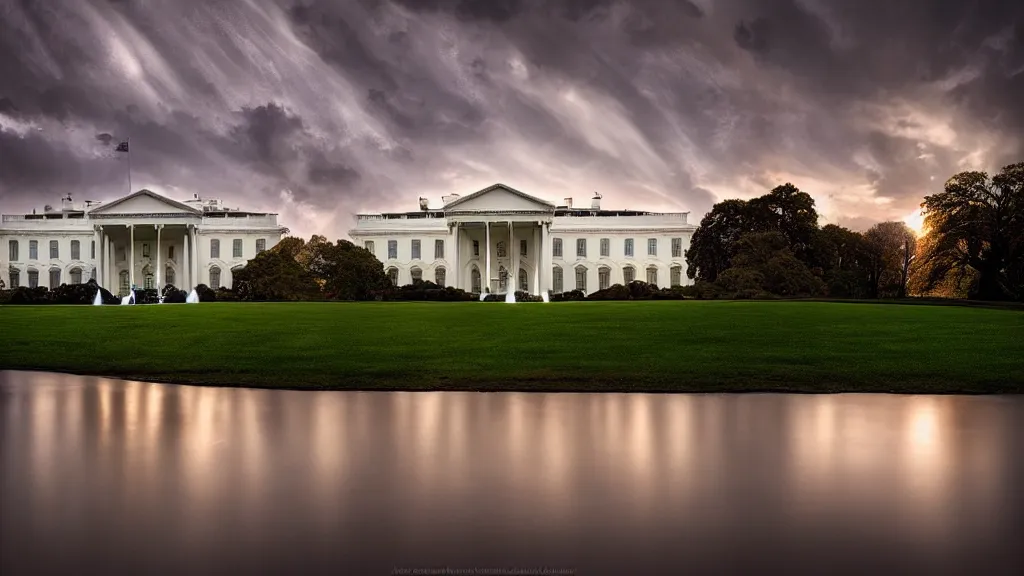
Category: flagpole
[129,141]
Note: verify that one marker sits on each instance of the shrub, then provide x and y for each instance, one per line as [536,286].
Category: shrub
[173,295]
[424,290]
[146,296]
[206,294]
[571,295]
[26,295]
[614,292]
[224,295]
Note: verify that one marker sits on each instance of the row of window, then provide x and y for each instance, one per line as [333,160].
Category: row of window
[55,277]
[556,248]
[604,275]
[14,249]
[417,275]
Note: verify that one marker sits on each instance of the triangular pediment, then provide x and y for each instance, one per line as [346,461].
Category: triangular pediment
[499,198]
[144,202]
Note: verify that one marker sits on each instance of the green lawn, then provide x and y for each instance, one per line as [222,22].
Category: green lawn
[579,346]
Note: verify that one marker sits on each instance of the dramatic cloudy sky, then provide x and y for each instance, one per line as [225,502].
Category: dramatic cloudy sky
[320,109]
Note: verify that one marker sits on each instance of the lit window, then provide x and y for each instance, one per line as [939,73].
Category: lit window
[556,280]
[556,247]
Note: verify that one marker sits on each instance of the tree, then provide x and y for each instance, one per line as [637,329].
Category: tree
[764,261]
[291,246]
[895,248]
[274,276]
[845,258]
[712,245]
[787,210]
[348,272]
[976,225]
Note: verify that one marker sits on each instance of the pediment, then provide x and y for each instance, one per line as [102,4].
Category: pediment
[499,198]
[144,202]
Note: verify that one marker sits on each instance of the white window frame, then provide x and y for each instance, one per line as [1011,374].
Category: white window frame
[627,247]
[415,249]
[556,247]
[581,247]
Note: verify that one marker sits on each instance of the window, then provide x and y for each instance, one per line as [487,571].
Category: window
[92,274]
[417,275]
[438,249]
[581,279]
[123,282]
[439,276]
[476,248]
[13,250]
[628,274]
[76,250]
[236,248]
[33,250]
[145,250]
[369,246]
[522,248]
[393,275]
[214,249]
[76,275]
[556,280]
[556,247]
[54,278]
[652,246]
[524,282]
[415,249]
[581,247]
[92,250]
[475,276]
[33,279]
[606,249]
[169,275]
[147,282]
[170,250]
[677,247]
[54,249]
[652,275]
[676,276]
[261,245]
[627,248]
[15,278]
[214,277]
[604,276]
[501,250]
[392,249]
[502,279]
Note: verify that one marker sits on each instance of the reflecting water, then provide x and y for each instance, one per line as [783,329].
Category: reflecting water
[132,477]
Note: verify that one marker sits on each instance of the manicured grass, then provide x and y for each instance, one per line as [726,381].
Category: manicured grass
[574,346]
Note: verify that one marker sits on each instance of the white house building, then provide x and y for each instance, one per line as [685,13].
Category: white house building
[143,240]
[499,235]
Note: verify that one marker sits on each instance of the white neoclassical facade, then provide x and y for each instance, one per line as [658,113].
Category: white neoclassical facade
[500,238]
[143,240]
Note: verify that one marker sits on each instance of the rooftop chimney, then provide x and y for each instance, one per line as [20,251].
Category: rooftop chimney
[423,203]
[568,202]
[595,202]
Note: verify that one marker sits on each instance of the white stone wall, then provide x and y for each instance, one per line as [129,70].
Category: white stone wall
[227,261]
[43,263]
[617,260]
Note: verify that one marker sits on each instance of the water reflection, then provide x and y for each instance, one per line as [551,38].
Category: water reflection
[137,477]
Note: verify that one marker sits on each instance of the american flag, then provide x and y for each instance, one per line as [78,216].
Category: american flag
[122,147]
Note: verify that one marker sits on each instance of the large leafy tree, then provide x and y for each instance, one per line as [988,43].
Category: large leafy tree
[789,211]
[713,243]
[765,258]
[846,260]
[894,250]
[349,272]
[274,275]
[976,228]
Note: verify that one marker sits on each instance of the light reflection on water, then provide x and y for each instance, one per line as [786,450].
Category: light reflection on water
[134,477]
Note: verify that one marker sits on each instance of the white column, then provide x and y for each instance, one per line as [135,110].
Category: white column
[195,255]
[108,268]
[185,266]
[131,262]
[545,258]
[96,253]
[512,282]
[487,247]
[159,286]
[537,254]
[456,266]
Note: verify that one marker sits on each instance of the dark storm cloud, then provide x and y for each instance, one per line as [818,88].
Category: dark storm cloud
[322,108]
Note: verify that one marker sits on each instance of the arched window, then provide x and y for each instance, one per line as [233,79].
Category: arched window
[123,282]
[147,282]
[628,274]
[502,279]
[439,273]
[76,275]
[581,278]
[33,278]
[169,276]
[652,275]
[501,250]
[475,278]
[54,278]
[556,280]
[524,282]
[214,277]
[15,278]
[393,275]
[417,274]
[676,277]
[604,277]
